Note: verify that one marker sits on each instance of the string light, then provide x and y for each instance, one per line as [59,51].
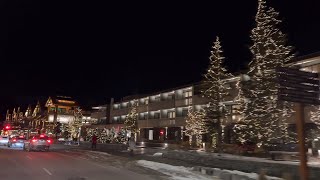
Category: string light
[264,118]
[196,125]
[215,88]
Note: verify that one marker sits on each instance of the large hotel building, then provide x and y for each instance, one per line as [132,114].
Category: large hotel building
[161,115]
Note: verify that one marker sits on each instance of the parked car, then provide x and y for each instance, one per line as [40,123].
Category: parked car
[39,142]
[4,140]
[16,141]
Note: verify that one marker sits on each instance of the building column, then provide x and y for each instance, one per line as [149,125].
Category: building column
[181,133]
[166,133]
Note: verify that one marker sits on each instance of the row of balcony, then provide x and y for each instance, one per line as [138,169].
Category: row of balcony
[162,105]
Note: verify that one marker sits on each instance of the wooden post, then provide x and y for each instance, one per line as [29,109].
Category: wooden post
[301,140]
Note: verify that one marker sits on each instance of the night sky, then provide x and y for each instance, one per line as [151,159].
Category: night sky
[93,51]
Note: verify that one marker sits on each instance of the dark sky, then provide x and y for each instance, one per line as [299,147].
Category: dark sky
[96,50]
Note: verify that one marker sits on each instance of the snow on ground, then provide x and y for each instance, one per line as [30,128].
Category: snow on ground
[175,172]
[312,161]
[157,154]
[250,175]
[94,152]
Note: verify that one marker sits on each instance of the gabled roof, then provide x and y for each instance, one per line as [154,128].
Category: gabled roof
[62,101]
[37,110]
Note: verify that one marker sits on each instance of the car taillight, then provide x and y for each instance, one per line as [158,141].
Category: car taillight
[34,140]
[49,141]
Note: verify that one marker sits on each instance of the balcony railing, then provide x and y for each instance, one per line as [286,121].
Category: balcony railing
[161,105]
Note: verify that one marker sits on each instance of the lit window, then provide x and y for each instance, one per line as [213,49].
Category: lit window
[187,94]
[171,114]
[188,101]
[116,106]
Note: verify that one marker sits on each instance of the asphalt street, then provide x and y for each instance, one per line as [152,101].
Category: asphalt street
[64,164]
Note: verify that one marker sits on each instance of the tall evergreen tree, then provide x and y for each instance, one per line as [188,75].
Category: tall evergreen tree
[264,117]
[131,123]
[216,90]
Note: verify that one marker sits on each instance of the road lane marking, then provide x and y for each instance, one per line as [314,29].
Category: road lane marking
[29,157]
[47,171]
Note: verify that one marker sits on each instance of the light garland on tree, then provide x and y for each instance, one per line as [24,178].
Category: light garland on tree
[196,125]
[131,121]
[76,124]
[264,117]
[215,88]
[103,135]
[315,115]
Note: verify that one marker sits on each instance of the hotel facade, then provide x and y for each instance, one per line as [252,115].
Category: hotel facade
[162,115]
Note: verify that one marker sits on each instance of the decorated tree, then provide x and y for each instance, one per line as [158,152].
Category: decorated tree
[66,130]
[89,133]
[131,123]
[111,135]
[215,88]
[315,118]
[76,124]
[315,115]
[264,116]
[121,136]
[104,135]
[247,129]
[196,125]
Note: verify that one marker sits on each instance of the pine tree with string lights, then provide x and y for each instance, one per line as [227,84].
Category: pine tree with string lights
[315,118]
[89,134]
[111,135]
[264,116]
[315,115]
[215,88]
[131,121]
[66,130]
[76,124]
[196,125]
[103,135]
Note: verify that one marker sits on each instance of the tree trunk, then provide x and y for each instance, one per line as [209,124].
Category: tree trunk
[219,136]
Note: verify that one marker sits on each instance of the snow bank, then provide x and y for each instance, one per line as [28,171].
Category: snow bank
[175,172]
[218,172]
[157,154]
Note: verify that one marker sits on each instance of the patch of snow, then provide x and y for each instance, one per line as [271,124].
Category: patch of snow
[250,175]
[175,172]
[95,152]
[101,153]
[157,154]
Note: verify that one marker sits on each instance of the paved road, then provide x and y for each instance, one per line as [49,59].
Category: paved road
[61,164]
